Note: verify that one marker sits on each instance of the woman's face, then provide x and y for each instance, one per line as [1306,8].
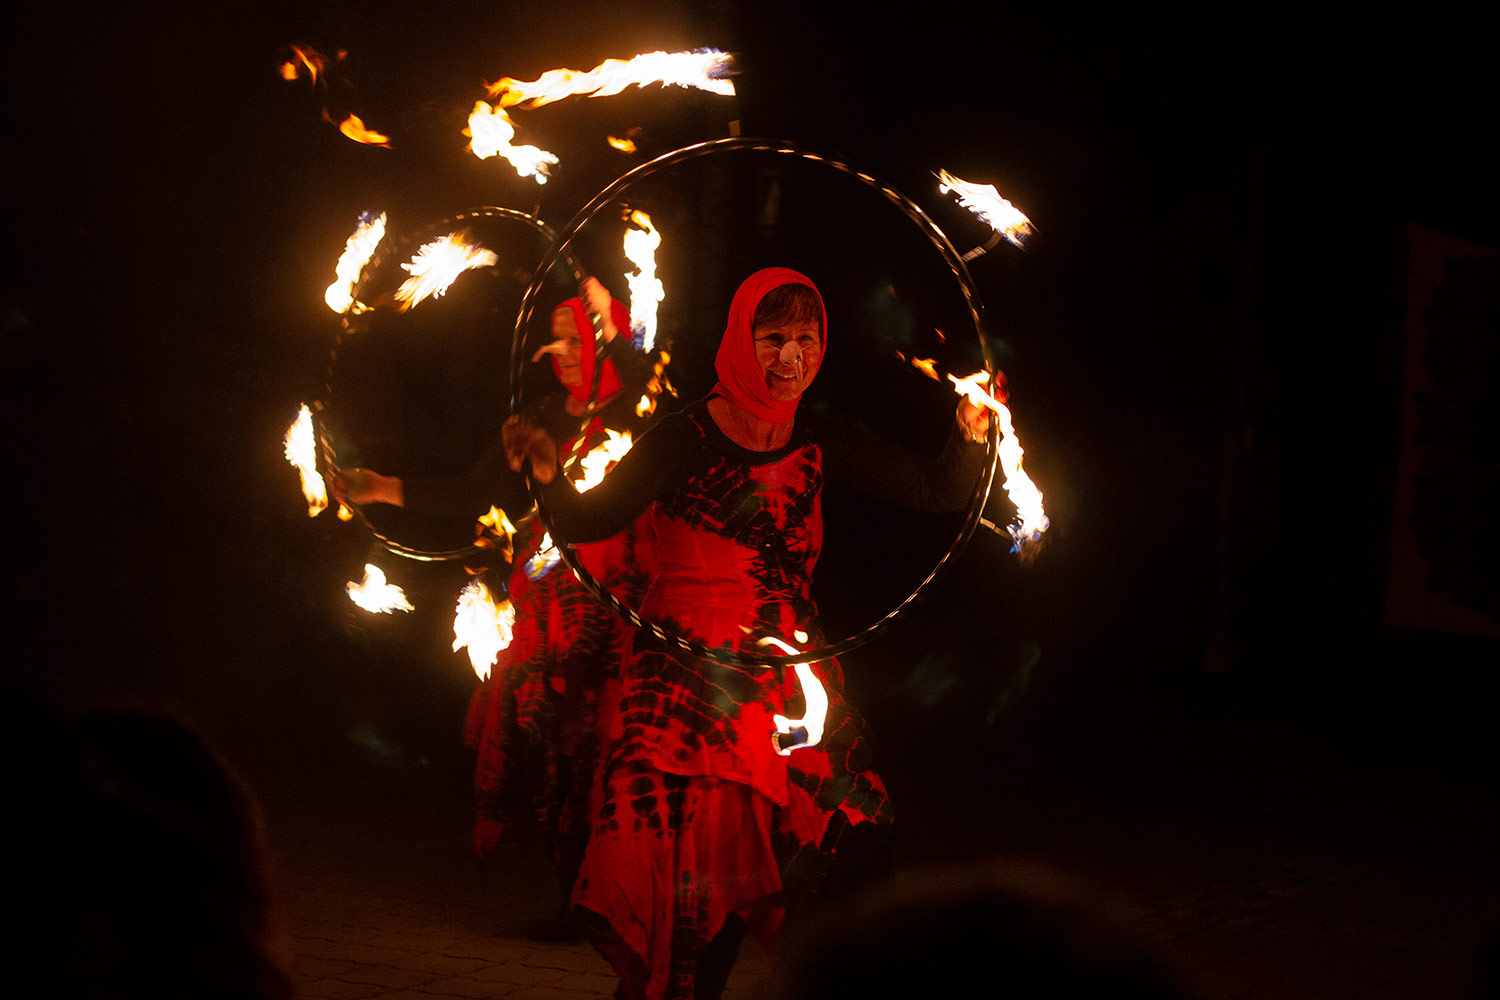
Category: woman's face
[789,355]
[570,354]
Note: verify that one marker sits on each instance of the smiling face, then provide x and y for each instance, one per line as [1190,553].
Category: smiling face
[789,354]
[570,358]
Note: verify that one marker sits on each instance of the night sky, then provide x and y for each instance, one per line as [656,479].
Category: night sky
[1204,340]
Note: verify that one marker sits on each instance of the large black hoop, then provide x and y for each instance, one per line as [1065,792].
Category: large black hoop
[971,297]
[349,323]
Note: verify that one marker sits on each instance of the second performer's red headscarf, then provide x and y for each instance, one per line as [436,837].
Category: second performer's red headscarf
[742,381]
[609,382]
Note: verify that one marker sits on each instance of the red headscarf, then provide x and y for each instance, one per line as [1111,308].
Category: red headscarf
[742,381]
[609,382]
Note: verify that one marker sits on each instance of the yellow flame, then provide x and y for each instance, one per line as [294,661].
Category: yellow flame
[358,250]
[625,145]
[1031,519]
[927,366]
[496,523]
[354,128]
[544,558]
[812,692]
[657,385]
[437,266]
[646,292]
[601,457]
[490,133]
[483,626]
[375,595]
[985,202]
[707,70]
[302,452]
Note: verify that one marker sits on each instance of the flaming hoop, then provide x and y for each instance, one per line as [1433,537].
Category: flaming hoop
[940,243]
[372,252]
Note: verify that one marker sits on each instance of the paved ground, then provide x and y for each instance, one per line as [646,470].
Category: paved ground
[1264,855]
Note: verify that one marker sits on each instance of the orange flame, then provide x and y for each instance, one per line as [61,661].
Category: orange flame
[305,60]
[483,626]
[984,201]
[601,458]
[706,70]
[302,452]
[646,291]
[625,145]
[490,133]
[497,532]
[354,128]
[375,595]
[812,692]
[1031,519]
[657,385]
[357,253]
[436,266]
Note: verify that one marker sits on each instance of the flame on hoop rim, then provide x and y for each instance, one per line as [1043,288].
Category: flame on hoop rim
[302,452]
[483,626]
[812,692]
[985,202]
[646,291]
[375,595]
[707,69]
[358,250]
[436,266]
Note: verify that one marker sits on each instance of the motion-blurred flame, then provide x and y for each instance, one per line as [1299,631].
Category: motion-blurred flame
[354,128]
[358,250]
[490,133]
[984,201]
[483,626]
[812,692]
[302,452]
[601,458]
[497,532]
[305,61]
[1031,519]
[704,70]
[624,145]
[375,595]
[646,292]
[437,266]
[544,558]
[656,386]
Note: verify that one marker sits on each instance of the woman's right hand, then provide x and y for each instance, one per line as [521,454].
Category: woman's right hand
[525,441]
[362,486]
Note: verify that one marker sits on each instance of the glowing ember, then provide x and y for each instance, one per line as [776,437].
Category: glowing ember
[437,266]
[1031,519]
[302,452]
[810,724]
[601,458]
[357,253]
[375,595]
[483,626]
[984,201]
[706,70]
[490,133]
[646,292]
[354,128]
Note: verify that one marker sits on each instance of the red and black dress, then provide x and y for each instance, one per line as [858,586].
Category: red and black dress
[698,816]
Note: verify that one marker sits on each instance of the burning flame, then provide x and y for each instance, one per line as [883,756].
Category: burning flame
[305,60]
[984,201]
[657,385]
[302,452]
[812,693]
[483,626]
[646,292]
[497,524]
[625,145]
[601,457]
[357,253]
[1031,519]
[354,128]
[375,595]
[437,266]
[544,558]
[706,70]
[490,133]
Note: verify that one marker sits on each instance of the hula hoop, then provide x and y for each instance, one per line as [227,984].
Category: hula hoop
[914,213]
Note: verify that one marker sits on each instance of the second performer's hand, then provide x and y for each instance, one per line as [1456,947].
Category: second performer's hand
[526,441]
[362,486]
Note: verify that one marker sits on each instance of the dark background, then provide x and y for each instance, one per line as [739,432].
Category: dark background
[1204,342]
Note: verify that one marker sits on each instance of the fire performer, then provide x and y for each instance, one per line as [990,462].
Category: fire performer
[703,828]
[532,723]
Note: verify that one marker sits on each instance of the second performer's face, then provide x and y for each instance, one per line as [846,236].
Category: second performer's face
[570,355]
[789,355]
